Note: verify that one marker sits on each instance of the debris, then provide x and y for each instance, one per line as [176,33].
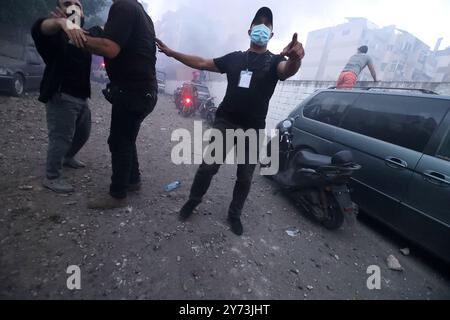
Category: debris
[178,259]
[173,186]
[405,251]
[393,263]
[309,287]
[25,188]
[70,203]
[129,209]
[293,233]
[295,271]
[336,257]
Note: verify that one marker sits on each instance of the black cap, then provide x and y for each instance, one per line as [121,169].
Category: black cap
[264,12]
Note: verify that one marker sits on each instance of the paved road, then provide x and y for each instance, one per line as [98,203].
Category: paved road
[143,252]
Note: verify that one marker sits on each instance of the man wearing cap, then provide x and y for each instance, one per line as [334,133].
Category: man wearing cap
[356,64]
[252,77]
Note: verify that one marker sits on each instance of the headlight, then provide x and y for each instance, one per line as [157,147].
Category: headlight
[4,71]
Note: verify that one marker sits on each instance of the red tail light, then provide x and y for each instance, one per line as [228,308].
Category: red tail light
[188,100]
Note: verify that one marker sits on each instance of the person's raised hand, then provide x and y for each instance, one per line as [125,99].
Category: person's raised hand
[294,50]
[76,35]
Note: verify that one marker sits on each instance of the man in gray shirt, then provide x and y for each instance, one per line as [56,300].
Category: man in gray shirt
[354,67]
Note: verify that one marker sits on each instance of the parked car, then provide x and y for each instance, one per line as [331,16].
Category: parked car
[402,141]
[21,71]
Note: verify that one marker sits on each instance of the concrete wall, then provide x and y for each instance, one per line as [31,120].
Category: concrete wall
[289,94]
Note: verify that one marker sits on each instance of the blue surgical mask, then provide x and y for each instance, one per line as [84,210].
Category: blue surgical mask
[260,35]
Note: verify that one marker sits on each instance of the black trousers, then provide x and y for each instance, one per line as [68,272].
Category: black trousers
[245,172]
[128,112]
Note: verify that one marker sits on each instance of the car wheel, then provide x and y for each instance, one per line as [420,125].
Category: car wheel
[18,85]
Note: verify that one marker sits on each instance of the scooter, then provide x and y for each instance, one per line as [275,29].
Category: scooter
[318,183]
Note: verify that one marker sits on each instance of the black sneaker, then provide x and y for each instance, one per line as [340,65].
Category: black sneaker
[188,210]
[236,225]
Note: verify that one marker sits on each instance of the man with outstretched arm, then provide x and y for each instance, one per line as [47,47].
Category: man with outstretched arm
[252,77]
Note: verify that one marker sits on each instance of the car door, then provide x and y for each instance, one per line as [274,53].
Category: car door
[427,207]
[387,134]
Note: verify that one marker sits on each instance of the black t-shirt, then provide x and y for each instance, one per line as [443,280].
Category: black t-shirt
[132,29]
[77,73]
[248,107]
[68,69]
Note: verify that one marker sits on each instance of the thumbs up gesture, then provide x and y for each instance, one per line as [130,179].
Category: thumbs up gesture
[294,50]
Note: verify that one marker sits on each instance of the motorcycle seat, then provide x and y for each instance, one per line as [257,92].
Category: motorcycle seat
[312,160]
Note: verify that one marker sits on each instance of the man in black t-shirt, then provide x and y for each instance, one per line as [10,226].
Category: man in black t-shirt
[252,77]
[129,48]
[65,89]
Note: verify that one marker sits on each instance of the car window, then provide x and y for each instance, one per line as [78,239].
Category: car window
[404,121]
[329,107]
[444,149]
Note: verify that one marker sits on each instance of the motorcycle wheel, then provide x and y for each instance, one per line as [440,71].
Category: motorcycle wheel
[185,112]
[335,218]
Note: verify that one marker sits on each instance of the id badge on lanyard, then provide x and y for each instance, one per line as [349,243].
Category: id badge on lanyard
[246,79]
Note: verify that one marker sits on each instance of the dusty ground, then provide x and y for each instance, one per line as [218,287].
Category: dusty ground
[145,253]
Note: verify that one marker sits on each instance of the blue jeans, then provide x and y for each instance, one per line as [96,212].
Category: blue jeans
[69,128]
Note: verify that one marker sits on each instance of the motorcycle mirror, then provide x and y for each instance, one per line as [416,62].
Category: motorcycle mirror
[287,124]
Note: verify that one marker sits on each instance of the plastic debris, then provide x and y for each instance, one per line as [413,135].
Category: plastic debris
[173,186]
[293,233]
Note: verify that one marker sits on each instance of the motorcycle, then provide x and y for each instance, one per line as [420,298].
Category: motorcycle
[187,107]
[177,98]
[318,183]
[208,110]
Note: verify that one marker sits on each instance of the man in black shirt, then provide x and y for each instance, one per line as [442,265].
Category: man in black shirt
[129,48]
[252,77]
[65,89]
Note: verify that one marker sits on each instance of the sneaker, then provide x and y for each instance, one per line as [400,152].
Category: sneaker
[107,203]
[188,210]
[73,163]
[134,187]
[58,185]
[236,225]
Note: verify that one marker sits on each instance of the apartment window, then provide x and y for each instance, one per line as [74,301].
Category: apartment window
[393,66]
